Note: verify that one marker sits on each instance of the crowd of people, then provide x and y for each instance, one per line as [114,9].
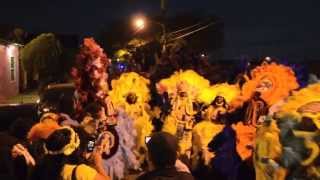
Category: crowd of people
[264,127]
[58,147]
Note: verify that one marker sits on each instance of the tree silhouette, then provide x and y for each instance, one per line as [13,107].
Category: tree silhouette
[40,58]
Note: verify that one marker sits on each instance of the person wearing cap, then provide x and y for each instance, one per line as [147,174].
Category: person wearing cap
[162,159]
[47,125]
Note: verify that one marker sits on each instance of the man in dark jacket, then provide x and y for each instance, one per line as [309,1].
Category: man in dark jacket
[162,155]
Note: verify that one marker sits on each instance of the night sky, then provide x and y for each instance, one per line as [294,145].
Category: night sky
[281,28]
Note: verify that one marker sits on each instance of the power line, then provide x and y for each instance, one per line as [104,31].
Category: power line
[186,28]
[192,32]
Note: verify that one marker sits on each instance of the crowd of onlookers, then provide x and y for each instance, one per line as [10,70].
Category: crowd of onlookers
[57,147]
[48,150]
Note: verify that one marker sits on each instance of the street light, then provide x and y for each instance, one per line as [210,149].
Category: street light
[140,23]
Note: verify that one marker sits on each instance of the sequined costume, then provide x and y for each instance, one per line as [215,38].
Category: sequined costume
[131,93]
[268,84]
[287,147]
[183,87]
[114,131]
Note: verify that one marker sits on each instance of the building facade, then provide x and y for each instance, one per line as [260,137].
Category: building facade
[9,71]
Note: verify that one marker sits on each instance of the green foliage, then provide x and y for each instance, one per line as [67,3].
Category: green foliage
[122,54]
[41,56]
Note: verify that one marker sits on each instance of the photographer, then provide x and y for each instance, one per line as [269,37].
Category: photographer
[64,158]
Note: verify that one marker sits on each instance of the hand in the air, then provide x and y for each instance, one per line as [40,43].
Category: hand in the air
[19,150]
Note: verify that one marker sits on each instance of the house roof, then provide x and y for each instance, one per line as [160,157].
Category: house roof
[6,42]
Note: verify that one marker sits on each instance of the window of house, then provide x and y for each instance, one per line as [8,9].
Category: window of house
[12,69]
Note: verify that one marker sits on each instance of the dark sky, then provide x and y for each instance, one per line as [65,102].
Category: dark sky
[282,28]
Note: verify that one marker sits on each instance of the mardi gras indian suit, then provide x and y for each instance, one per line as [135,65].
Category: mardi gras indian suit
[181,120]
[203,133]
[303,107]
[90,79]
[183,87]
[217,98]
[272,82]
[131,93]
[267,149]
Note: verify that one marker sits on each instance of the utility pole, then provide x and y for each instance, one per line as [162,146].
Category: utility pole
[163,7]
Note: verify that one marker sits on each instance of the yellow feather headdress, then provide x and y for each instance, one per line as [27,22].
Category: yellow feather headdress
[192,83]
[228,91]
[130,83]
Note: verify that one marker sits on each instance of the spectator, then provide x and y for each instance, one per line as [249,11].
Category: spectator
[13,167]
[95,112]
[20,150]
[64,159]
[40,131]
[162,155]
[226,162]
[66,120]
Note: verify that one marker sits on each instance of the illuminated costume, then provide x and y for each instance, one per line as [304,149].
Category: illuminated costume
[256,109]
[183,88]
[217,97]
[299,123]
[274,82]
[287,147]
[131,93]
[203,133]
[268,149]
[182,116]
[90,79]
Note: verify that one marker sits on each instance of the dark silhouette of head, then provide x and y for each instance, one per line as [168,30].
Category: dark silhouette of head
[131,98]
[20,128]
[162,149]
[58,139]
[50,167]
[94,109]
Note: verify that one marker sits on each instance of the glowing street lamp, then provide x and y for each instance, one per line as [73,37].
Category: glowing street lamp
[139,23]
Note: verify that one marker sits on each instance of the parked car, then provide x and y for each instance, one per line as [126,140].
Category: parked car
[57,97]
[11,112]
